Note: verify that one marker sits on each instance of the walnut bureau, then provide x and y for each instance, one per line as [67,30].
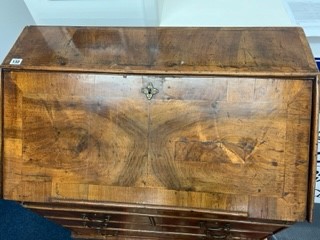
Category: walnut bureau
[161,133]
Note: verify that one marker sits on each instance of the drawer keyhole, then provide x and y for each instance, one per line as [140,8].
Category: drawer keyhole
[149,91]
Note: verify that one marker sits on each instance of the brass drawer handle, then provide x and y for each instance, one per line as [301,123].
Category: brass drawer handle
[95,223]
[104,218]
[225,228]
[219,236]
[149,91]
[92,225]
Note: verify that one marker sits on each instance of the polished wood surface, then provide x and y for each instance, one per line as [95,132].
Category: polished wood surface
[218,51]
[161,132]
[97,137]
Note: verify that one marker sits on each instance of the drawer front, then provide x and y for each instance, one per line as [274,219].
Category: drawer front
[100,223]
[221,231]
[122,230]
[82,233]
[99,216]
[87,233]
[237,145]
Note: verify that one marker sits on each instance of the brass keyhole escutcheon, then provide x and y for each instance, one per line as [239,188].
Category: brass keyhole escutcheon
[149,91]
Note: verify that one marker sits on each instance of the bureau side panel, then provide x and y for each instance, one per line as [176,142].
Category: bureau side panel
[1,129]
[313,149]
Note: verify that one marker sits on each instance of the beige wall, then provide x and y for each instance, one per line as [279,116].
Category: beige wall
[315,45]
[14,15]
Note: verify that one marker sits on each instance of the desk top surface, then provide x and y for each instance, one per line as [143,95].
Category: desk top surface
[197,51]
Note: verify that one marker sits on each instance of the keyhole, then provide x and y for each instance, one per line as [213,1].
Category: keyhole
[149,91]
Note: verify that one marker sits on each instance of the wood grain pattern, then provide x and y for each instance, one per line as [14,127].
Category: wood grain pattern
[97,138]
[213,51]
[229,136]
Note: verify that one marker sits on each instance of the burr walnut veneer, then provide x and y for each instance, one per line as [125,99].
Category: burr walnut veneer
[161,133]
